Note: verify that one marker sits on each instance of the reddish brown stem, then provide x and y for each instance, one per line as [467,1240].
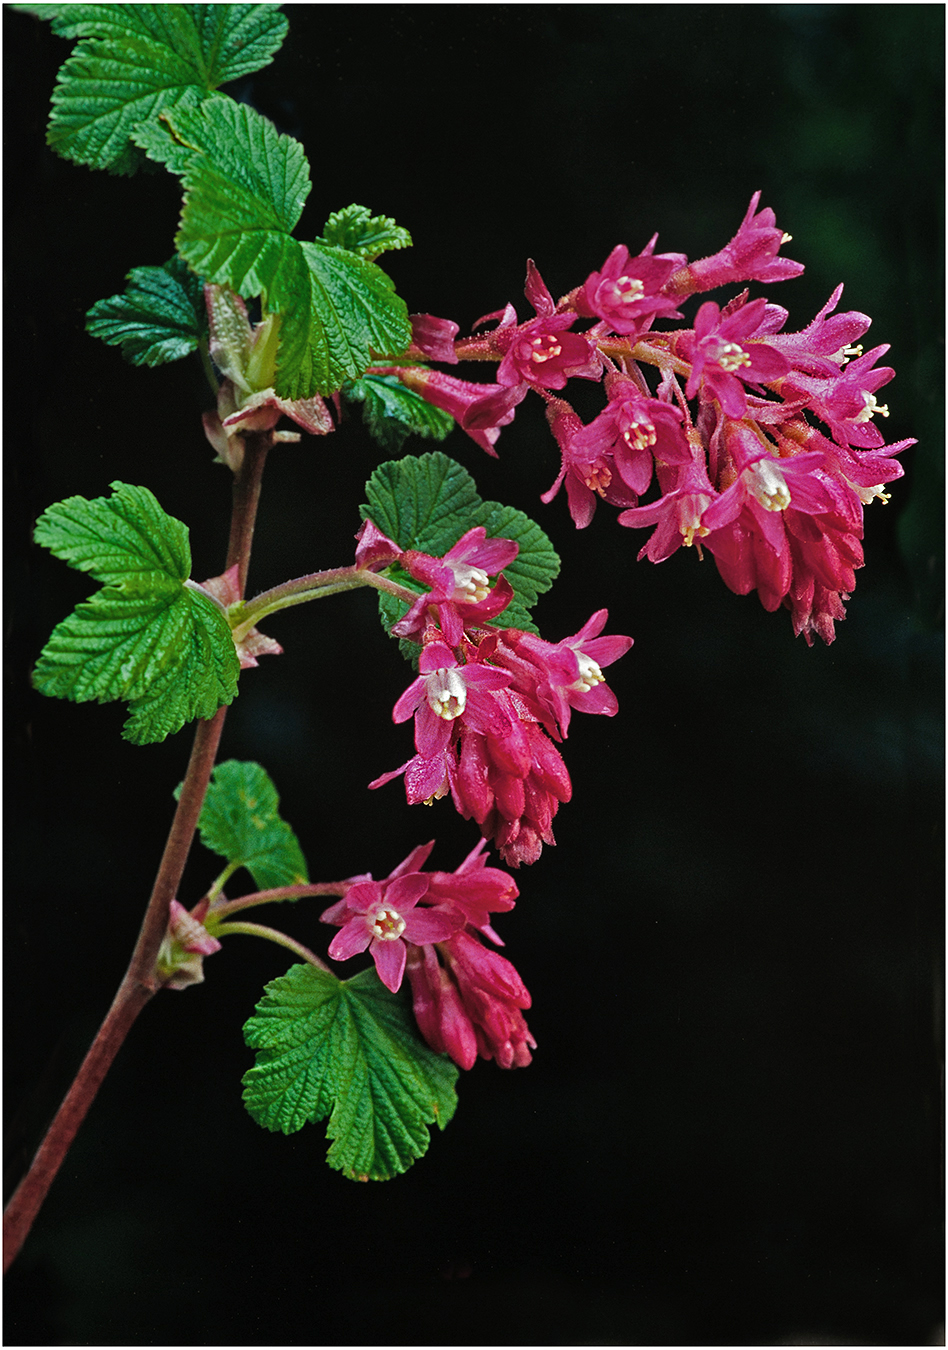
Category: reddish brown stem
[140,982]
[247,483]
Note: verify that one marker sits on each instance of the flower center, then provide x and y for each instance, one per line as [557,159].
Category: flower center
[870,406]
[446,693]
[385,923]
[590,674]
[767,485]
[638,432]
[597,477]
[626,290]
[728,355]
[690,509]
[470,583]
[544,348]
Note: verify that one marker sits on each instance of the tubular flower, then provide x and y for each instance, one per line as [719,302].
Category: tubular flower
[587,473]
[468,1001]
[383,916]
[554,678]
[635,431]
[460,594]
[626,294]
[846,401]
[723,353]
[479,409]
[750,256]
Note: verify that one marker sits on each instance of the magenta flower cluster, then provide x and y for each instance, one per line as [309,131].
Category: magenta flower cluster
[468,999]
[756,443]
[489,703]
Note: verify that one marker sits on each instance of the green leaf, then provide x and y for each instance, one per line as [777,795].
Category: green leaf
[149,636]
[350,1050]
[428,502]
[135,61]
[245,186]
[159,317]
[360,232]
[241,821]
[391,411]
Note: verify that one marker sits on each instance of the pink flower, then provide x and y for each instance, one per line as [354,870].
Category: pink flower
[750,256]
[677,515]
[479,409]
[383,916]
[374,550]
[846,400]
[460,593]
[636,431]
[827,341]
[446,692]
[626,294]
[485,747]
[434,338]
[470,1003]
[588,473]
[541,352]
[557,677]
[724,353]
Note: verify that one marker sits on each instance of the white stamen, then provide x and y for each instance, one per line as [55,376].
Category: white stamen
[870,407]
[629,289]
[385,923]
[590,674]
[730,356]
[446,693]
[471,583]
[767,484]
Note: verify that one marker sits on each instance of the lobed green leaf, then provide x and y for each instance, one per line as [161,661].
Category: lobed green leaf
[245,186]
[159,317]
[136,61]
[392,412]
[149,636]
[349,1050]
[241,821]
[357,230]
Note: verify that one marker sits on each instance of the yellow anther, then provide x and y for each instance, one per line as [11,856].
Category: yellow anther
[689,532]
[767,485]
[630,289]
[385,923]
[730,356]
[598,478]
[590,674]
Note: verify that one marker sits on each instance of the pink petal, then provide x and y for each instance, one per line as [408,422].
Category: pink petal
[389,958]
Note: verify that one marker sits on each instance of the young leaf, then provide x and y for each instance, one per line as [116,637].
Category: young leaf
[347,1049]
[360,232]
[241,821]
[149,636]
[391,412]
[428,502]
[159,317]
[245,186]
[134,61]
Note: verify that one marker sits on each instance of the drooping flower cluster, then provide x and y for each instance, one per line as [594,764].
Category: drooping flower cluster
[760,442]
[468,999]
[487,702]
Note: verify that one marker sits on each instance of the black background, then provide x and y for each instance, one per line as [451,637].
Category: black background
[730,1132]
